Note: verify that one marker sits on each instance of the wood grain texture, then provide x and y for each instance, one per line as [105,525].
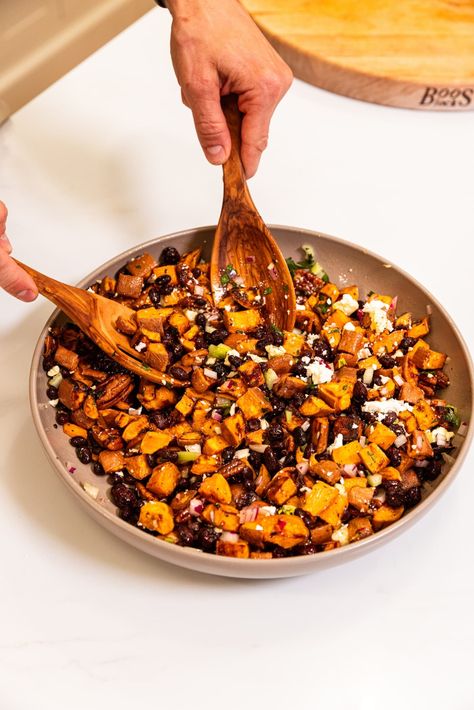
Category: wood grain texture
[96,317]
[410,53]
[241,233]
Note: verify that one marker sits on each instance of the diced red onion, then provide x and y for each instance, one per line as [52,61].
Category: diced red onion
[302,467]
[229,536]
[70,467]
[249,514]
[393,304]
[272,271]
[259,448]
[210,373]
[360,314]
[400,441]
[350,469]
[196,507]
[199,290]
[250,259]
[217,416]
[305,426]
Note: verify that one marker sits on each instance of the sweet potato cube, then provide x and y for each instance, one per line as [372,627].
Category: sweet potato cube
[242,320]
[347,454]
[419,330]
[153,318]
[333,513]
[222,516]
[74,430]
[233,549]
[185,405]
[320,434]
[90,407]
[294,343]
[385,515]
[154,441]
[328,470]
[252,373]
[163,398]
[129,286]
[141,265]
[381,435]
[281,364]
[315,407]
[252,532]
[358,528]
[157,516]
[391,474]
[135,428]
[424,414]
[262,480]
[410,393]
[388,343]
[233,388]
[351,341]
[374,458]
[138,466]
[111,461]
[261,555]
[318,498]
[360,497]
[179,321]
[281,487]
[254,404]
[336,394]
[157,356]
[205,464]
[164,479]
[216,489]
[286,531]
[233,429]
[199,381]
[419,446]
[321,533]
[214,445]
[66,358]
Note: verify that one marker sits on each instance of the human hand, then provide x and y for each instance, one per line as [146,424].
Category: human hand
[217,49]
[12,278]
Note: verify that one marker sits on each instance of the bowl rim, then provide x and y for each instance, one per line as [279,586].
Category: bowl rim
[303,563]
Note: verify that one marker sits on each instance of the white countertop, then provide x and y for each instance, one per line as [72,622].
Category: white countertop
[103,160]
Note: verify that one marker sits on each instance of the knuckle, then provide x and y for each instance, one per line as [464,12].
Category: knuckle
[199,88]
[3,213]
[208,129]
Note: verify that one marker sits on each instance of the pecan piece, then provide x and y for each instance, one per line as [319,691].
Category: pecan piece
[108,437]
[71,394]
[113,390]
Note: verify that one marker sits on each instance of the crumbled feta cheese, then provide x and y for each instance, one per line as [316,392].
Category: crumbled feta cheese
[349,326]
[275,350]
[135,412]
[319,371]
[296,331]
[379,320]
[211,361]
[311,337]
[300,307]
[336,444]
[363,353]
[140,346]
[341,488]
[381,408]
[341,535]
[384,379]
[54,371]
[267,510]
[440,436]
[190,315]
[264,424]
[53,402]
[347,304]
[305,360]
[227,307]
[232,409]
[257,358]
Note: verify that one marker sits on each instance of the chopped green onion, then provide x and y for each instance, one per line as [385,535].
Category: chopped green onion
[187,456]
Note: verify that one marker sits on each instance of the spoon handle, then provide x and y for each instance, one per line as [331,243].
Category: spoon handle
[234,176]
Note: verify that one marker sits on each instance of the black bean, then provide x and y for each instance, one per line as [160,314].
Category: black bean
[275,432]
[123,496]
[52,392]
[394,494]
[178,372]
[201,320]
[228,454]
[406,344]
[246,498]
[235,361]
[77,441]
[278,405]
[290,460]
[412,496]
[307,548]
[169,256]
[84,454]
[389,418]
[432,471]
[277,337]
[247,478]
[260,332]
[298,399]
[163,280]
[168,455]
[323,350]
[299,369]
[155,296]
[387,361]
[299,436]
[254,459]
[62,417]
[199,302]
[98,469]
[252,424]
[395,456]
[186,535]
[207,539]
[217,336]
[196,272]
[48,363]
[130,514]
[270,460]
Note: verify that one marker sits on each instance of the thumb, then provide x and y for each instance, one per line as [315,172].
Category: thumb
[14,280]
[211,126]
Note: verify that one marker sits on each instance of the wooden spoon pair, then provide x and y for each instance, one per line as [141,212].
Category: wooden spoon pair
[242,240]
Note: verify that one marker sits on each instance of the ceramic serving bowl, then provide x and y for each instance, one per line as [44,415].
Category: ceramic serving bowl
[347,264]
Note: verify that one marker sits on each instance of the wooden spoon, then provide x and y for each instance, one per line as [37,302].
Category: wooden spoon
[96,317]
[243,241]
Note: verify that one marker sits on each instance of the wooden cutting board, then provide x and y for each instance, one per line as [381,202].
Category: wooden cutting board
[411,53]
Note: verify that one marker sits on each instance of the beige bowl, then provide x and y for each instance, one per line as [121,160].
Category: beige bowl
[347,264]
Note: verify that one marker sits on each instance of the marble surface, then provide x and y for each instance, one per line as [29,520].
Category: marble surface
[103,160]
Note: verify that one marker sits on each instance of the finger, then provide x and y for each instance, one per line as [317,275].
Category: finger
[4,242]
[16,281]
[204,101]
[255,130]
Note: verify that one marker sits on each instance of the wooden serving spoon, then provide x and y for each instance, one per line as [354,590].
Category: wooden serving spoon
[244,242]
[96,317]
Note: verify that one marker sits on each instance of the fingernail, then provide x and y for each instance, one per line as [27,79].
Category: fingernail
[214,150]
[27,295]
[5,241]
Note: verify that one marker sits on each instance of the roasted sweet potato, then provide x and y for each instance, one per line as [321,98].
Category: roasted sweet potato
[164,479]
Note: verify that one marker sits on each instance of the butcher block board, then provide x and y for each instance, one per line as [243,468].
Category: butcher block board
[411,53]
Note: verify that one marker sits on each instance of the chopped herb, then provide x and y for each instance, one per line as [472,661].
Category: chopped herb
[276,329]
[323,308]
[268,290]
[225,279]
[146,367]
[452,416]
[305,263]
[325,278]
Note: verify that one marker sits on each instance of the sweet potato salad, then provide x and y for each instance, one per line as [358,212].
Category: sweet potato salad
[275,443]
